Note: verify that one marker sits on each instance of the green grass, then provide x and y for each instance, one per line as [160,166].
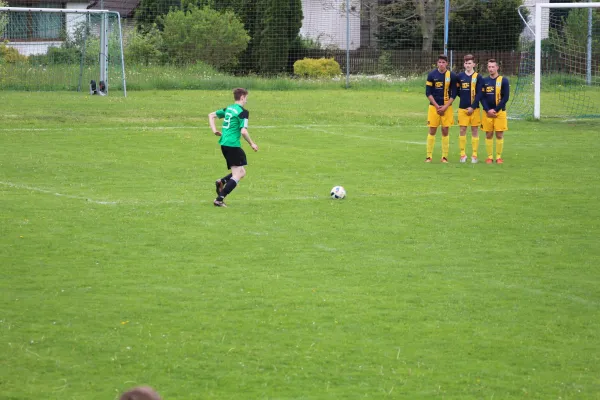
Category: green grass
[453,281]
[199,76]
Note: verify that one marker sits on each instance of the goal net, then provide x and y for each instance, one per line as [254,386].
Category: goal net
[559,71]
[45,49]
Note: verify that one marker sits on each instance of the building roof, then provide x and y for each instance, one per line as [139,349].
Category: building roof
[125,7]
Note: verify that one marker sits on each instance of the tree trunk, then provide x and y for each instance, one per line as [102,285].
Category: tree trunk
[427,10]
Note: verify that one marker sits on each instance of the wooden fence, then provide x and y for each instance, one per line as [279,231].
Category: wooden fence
[415,62]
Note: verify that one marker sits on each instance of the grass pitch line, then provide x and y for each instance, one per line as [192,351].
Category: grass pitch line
[106,128]
[319,129]
[166,128]
[40,190]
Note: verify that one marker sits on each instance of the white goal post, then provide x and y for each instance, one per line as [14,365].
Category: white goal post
[103,33]
[572,43]
[538,47]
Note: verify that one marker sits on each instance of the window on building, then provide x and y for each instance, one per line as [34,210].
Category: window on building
[31,26]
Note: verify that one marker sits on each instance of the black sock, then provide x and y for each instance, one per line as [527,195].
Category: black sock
[229,186]
[226,178]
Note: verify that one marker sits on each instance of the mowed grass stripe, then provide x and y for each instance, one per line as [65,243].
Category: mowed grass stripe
[450,281]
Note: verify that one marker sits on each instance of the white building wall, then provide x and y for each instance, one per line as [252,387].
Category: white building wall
[41,47]
[530,4]
[73,20]
[33,48]
[325,22]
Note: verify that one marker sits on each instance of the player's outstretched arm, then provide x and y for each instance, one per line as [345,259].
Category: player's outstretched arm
[211,121]
[247,138]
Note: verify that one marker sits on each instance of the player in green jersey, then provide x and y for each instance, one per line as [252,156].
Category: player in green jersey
[235,125]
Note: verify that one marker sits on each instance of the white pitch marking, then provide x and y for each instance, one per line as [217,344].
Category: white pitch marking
[527,289]
[36,189]
[318,129]
[163,128]
[106,128]
[280,198]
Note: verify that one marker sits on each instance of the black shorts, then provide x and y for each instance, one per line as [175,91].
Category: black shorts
[234,156]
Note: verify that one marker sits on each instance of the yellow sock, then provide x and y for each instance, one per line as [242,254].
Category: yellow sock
[489,147]
[445,145]
[430,144]
[462,143]
[475,145]
[499,147]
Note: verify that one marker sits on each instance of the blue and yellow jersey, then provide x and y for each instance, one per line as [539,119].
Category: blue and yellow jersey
[469,89]
[495,93]
[442,86]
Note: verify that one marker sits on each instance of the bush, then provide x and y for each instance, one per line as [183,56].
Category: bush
[204,35]
[144,49]
[317,68]
[10,55]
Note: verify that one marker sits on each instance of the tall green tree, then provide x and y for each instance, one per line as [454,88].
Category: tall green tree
[214,37]
[489,25]
[429,18]
[474,25]
[399,26]
[281,21]
[273,27]
[149,12]
[3,17]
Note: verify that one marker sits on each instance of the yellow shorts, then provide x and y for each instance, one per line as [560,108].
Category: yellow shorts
[498,124]
[434,120]
[469,120]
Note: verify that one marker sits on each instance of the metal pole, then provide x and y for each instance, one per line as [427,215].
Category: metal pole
[589,48]
[104,49]
[538,63]
[122,56]
[347,44]
[446,23]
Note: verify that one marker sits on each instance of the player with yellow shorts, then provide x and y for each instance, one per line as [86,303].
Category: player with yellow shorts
[497,124]
[469,114]
[496,92]
[464,119]
[440,89]
[434,119]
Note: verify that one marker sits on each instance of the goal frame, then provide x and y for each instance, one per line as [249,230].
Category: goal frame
[103,56]
[539,7]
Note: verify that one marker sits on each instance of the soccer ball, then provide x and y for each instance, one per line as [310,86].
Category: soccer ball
[338,192]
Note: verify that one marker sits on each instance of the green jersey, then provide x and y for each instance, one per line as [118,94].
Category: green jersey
[235,118]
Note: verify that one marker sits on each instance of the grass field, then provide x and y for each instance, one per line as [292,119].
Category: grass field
[429,281]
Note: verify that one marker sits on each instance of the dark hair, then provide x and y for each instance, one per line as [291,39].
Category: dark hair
[239,92]
[443,57]
[469,57]
[493,60]
[140,393]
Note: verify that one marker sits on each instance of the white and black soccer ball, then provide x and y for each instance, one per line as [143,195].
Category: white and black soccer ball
[338,192]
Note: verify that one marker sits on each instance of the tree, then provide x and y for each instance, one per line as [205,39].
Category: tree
[478,25]
[273,27]
[399,26]
[148,13]
[217,38]
[281,23]
[474,24]
[407,24]
[428,16]
[576,28]
[3,18]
